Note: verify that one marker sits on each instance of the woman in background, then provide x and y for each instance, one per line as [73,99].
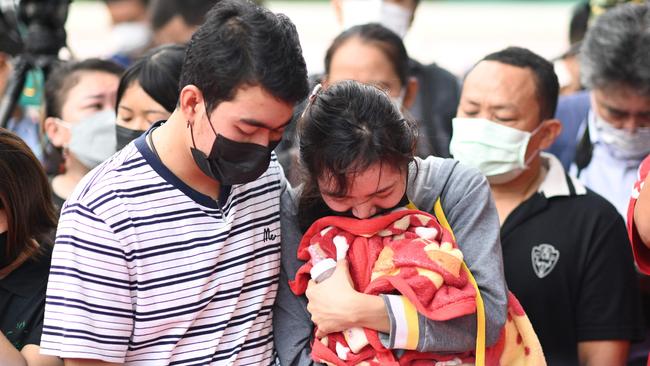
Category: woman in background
[148,92]
[27,223]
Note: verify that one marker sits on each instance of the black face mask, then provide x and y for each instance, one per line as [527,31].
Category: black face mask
[403,202]
[126,135]
[3,249]
[232,162]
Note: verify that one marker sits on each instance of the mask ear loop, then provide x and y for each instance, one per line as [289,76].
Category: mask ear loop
[533,133]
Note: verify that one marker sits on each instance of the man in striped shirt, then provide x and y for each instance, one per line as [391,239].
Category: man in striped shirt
[168,253]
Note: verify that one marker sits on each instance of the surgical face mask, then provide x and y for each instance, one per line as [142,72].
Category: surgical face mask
[498,151]
[92,140]
[392,16]
[125,135]
[129,37]
[232,162]
[624,144]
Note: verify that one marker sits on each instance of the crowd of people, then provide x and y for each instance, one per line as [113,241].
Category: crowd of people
[157,211]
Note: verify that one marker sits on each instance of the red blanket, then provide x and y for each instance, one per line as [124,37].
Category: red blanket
[408,253]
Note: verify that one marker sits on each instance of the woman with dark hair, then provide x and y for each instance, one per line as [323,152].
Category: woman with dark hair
[79,121]
[148,92]
[357,155]
[27,222]
[375,55]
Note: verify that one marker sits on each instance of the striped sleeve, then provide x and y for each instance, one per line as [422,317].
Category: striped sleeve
[88,308]
[404,323]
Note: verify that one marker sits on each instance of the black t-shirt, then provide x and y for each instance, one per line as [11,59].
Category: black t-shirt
[568,260]
[22,301]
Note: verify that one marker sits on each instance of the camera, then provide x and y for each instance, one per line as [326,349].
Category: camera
[34,33]
[43,24]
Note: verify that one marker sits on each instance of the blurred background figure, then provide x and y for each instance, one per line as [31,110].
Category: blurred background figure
[607,128]
[27,223]
[130,31]
[148,92]
[174,21]
[567,66]
[79,120]
[605,139]
[437,96]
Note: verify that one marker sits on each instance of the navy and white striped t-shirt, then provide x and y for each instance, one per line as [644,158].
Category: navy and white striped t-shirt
[147,271]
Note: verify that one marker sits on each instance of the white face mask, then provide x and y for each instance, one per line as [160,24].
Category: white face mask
[92,140]
[498,151]
[392,16]
[623,144]
[129,37]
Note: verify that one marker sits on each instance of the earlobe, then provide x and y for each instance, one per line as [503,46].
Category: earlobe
[411,91]
[189,99]
[552,130]
[52,130]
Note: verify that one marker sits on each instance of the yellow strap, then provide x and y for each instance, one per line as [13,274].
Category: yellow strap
[480,308]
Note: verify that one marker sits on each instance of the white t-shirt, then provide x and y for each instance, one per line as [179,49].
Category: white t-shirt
[148,271]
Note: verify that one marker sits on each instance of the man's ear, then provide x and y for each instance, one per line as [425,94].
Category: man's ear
[551,130]
[57,134]
[190,102]
[411,92]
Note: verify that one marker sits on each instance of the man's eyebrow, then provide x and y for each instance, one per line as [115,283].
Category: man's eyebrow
[496,106]
[256,123]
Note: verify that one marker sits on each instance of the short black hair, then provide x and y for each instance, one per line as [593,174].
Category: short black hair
[388,42]
[192,11]
[242,43]
[547,86]
[65,75]
[616,49]
[158,73]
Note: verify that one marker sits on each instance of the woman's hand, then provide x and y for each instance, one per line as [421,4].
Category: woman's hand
[335,305]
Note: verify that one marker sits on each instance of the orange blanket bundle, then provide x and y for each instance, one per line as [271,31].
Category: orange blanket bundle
[407,253]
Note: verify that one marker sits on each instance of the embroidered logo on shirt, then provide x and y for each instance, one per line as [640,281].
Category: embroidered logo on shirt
[268,235]
[544,257]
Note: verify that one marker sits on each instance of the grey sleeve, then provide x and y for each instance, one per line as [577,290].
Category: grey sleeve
[469,207]
[292,326]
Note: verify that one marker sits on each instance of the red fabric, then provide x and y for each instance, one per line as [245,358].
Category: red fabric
[372,243]
[641,252]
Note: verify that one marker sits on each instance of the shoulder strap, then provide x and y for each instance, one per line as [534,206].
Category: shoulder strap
[584,151]
[480,308]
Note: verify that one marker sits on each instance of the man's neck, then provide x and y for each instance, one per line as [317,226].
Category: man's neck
[510,195]
[173,143]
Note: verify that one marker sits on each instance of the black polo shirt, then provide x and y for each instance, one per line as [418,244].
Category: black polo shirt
[22,301]
[568,260]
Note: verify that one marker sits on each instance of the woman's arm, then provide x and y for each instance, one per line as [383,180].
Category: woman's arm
[292,326]
[29,355]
